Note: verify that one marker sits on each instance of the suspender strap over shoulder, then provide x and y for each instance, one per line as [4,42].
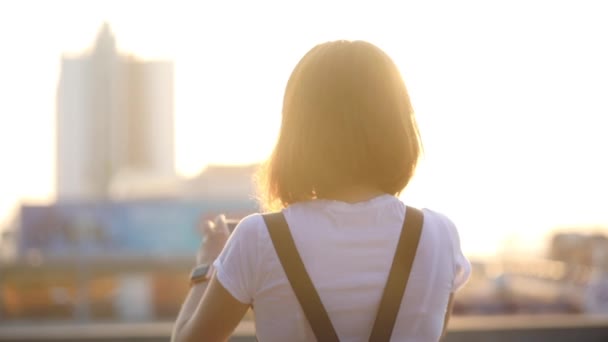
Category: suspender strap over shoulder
[298,278]
[398,276]
[309,298]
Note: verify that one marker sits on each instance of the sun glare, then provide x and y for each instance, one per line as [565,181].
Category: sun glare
[510,115]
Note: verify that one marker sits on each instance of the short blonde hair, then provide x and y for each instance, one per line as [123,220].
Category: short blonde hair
[347,120]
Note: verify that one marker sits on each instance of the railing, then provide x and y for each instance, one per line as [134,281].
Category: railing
[555,328]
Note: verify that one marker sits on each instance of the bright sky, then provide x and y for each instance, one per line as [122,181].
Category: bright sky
[510,95]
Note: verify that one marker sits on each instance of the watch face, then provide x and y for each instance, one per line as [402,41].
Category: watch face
[199,271]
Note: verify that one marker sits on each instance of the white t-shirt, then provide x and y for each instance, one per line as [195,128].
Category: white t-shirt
[347,250]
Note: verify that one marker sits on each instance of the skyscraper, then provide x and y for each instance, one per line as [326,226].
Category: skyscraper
[114,114]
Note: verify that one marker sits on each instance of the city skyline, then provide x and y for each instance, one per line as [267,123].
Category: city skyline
[509,97]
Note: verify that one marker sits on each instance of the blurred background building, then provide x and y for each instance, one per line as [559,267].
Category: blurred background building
[114,119]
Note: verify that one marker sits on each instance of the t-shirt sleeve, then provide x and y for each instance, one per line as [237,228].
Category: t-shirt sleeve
[462,266]
[237,265]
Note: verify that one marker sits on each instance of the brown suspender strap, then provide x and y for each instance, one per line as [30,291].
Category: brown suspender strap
[309,298]
[298,278]
[398,276]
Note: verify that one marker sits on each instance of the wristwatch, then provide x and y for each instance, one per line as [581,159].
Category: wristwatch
[201,273]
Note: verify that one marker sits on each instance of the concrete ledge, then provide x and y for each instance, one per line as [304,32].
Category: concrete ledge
[462,328]
[522,322]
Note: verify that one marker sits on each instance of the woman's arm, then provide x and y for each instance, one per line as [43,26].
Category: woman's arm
[210,312]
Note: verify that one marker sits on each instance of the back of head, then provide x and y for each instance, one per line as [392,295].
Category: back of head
[347,121]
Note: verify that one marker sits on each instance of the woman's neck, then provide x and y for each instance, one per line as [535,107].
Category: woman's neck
[354,194]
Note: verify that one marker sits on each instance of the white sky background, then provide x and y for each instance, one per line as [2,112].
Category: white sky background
[511,96]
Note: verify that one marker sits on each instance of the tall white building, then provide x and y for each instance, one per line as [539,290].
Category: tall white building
[114,116]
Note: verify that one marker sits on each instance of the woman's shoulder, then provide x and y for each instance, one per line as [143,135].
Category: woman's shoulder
[441,224]
[250,225]
[437,217]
